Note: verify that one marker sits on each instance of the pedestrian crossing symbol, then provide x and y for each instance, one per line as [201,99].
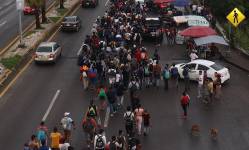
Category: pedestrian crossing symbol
[235,17]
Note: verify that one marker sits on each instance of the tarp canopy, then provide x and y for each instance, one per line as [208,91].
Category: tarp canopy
[192,20]
[198,31]
[210,39]
[163,1]
[181,3]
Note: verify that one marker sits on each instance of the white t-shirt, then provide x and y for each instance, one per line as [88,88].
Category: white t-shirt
[194,7]
[200,80]
[199,9]
[64,146]
[193,56]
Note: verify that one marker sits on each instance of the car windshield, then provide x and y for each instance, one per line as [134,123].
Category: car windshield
[216,67]
[44,49]
[69,19]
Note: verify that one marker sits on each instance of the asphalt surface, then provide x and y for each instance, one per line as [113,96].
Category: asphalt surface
[9,21]
[24,105]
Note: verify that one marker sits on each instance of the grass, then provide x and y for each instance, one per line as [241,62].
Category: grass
[11,62]
[54,19]
[62,11]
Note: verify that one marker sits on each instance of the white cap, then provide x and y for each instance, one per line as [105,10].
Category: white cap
[66,114]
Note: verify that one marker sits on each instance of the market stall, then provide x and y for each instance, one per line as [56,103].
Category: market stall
[206,45]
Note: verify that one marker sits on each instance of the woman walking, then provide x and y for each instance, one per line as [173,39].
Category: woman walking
[185,103]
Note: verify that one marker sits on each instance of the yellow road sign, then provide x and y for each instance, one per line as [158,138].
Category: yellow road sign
[235,17]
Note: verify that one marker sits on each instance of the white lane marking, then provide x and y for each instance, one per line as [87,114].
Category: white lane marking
[107,116]
[51,105]
[79,51]
[3,23]
[106,3]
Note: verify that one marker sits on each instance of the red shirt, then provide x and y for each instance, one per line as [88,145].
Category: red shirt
[185,100]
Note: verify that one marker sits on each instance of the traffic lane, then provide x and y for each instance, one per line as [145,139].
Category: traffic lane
[9,22]
[46,78]
[169,131]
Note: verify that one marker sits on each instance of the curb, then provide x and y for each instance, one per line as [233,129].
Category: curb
[234,64]
[31,50]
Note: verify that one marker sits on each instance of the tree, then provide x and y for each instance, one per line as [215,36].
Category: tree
[43,11]
[61,4]
[36,4]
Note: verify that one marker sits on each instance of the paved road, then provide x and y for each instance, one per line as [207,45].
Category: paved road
[9,21]
[25,104]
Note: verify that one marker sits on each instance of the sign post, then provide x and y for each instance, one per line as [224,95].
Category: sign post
[235,17]
[19,7]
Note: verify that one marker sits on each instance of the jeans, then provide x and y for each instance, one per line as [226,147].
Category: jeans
[112,108]
[184,107]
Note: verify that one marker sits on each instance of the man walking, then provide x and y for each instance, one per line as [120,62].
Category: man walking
[200,84]
[166,76]
[185,74]
[67,125]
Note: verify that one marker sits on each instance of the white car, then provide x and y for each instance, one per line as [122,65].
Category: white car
[200,64]
[48,52]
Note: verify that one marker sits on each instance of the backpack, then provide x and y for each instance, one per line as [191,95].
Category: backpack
[112,146]
[166,74]
[102,94]
[121,140]
[133,86]
[174,72]
[41,135]
[100,142]
[128,120]
[65,123]
[146,71]
[92,111]
[88,126]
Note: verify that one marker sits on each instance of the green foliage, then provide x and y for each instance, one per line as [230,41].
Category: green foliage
[62,11]
[11,62]
[54,19]
[35,3]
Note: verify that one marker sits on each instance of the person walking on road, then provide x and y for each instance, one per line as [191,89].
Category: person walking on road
[67,125]
[89,126]
[146,118]
[113,144]
[157,73]
[200,84]
[185,99]
[217,86]
[34,143]
[133,86]
[139,118]
[100,140]
[121,140]
[166,76]
[55,139]
[92,110]
[185,74]
[112,99]
[42,132]
[129,120]
[174,74]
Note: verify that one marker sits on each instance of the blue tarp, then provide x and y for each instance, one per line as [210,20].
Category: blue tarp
[181,3]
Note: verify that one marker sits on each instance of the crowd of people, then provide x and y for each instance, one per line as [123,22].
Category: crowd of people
[113,61]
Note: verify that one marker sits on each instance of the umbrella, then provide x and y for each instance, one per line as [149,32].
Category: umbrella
[163,1]
[210,39]
[181,3]
[198,31]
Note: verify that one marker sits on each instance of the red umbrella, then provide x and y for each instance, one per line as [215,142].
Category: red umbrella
[198,31]
[163,1]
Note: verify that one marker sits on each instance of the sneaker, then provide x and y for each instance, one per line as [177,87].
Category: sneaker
[112,115]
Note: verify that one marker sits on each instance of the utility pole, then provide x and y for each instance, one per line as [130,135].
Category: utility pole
[19,7]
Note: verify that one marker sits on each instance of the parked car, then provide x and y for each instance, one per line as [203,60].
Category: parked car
[153,28]
[200,64]
[89,3]
[27,10]
[48,52]
[71,23]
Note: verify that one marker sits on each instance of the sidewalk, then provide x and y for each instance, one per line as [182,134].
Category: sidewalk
[235,56]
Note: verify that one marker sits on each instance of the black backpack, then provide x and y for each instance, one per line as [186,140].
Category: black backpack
[128,120]
[100,142]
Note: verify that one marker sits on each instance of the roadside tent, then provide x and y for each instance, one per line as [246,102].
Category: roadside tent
[181,3]
[192,20]
[210,39]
